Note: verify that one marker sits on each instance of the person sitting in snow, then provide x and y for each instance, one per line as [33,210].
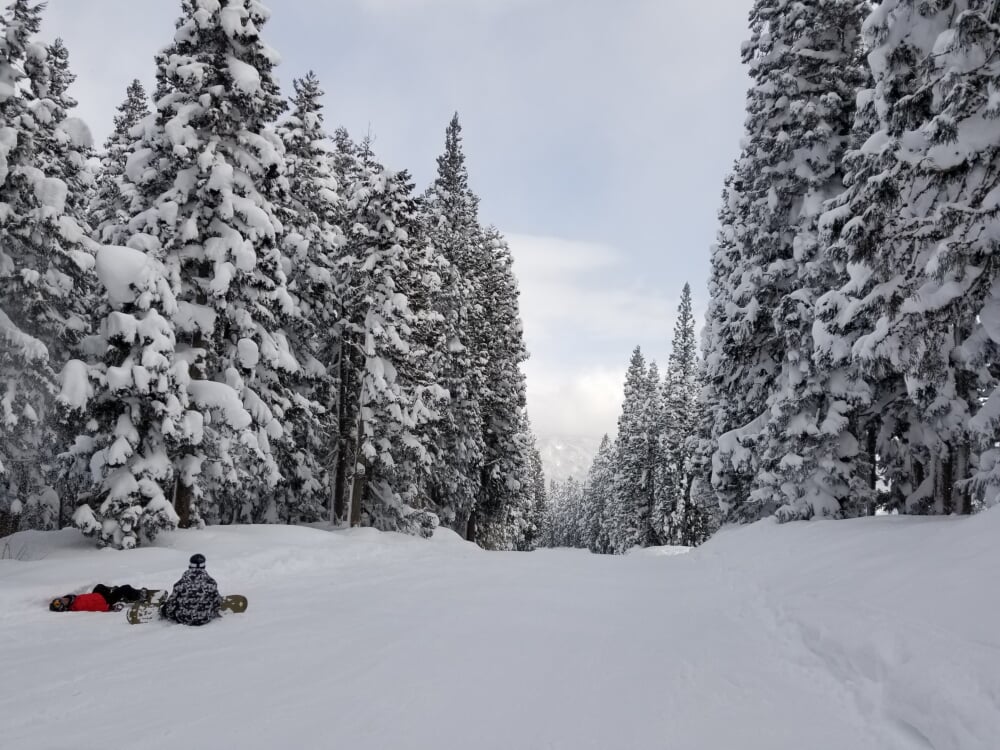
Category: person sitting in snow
[101,599]
[195,599]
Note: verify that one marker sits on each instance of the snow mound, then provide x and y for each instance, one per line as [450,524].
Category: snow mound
[668,550]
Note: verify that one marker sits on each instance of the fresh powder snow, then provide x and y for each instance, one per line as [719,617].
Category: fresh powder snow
[767,637]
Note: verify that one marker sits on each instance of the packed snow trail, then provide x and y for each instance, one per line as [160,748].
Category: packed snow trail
[879,634]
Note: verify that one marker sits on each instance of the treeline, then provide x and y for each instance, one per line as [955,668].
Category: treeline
[228,315]
[638,490]
[851,347]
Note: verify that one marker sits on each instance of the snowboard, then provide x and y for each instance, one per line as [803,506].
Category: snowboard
[146,611]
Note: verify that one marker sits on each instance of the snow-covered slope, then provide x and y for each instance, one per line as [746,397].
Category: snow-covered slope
[877,634]
[564,457]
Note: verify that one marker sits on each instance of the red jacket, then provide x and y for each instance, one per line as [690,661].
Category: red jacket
[89,603]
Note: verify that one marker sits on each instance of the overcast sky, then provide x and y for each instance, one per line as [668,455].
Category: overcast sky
[597,133]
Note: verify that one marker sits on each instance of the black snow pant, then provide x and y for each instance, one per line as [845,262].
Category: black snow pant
[115,594]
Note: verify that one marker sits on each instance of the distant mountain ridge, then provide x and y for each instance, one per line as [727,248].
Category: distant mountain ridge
[565,456]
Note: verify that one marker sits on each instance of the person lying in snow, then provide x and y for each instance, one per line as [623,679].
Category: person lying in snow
[195,599]
[101,599]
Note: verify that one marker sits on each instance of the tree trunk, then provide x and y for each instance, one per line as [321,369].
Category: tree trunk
[947,482]
[470,528]
[360,483]
[184,494]
[340,476]
[358,488]
[872,469]
[961,501]
[182,502]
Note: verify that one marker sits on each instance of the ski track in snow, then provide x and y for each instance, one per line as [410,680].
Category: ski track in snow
[875,634]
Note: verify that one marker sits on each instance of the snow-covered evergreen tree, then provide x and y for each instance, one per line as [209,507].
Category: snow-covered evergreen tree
[596,496]
[390,275]
[203,174]
[680,407]
[768,266]
[629,522]
[139,415]
[566,508]
[44,265]
[539,500]
[451,216]
[506,461]
[312,242]
[914,311]
[959,299]
[110,208]
[655,482]
[809,452]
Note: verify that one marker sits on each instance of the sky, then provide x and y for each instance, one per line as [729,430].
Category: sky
[597,134]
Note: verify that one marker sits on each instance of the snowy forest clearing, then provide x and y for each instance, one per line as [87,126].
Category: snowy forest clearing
[873,633]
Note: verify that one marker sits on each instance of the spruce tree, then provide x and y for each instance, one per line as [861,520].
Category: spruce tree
[655,482]
[703,513]
[451,217]
[963,325]
[599,488]
[390,275]
[769,267]
[312,240]
[350,169]
[45,263]
[680,406]
[913,311]
[203,173]
[804,108]
[139,413]
[539,500]
[110,207]
[630,524]
[506,462]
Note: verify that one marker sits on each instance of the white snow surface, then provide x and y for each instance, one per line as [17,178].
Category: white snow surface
[874,634]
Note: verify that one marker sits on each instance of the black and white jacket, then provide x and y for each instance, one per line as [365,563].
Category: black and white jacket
[195,599]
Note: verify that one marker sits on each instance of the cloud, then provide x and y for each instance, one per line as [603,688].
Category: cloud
[583,403]
[587,291]
[584,309]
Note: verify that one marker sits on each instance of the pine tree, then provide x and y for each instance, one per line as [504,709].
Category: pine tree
[654,478]
[599,489]
[351,169]
[809,456]
[735,389]
[965,80]
[392,275]
[312,241]
[44,272]
[908,230]
[768,266]
[139,412]
[110,207]
[680,406]
[702,510]
[539,500]
[451,216]
[505,459]
[629,514]
[203,174]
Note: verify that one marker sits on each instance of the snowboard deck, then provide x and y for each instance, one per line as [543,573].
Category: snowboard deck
[146,611]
